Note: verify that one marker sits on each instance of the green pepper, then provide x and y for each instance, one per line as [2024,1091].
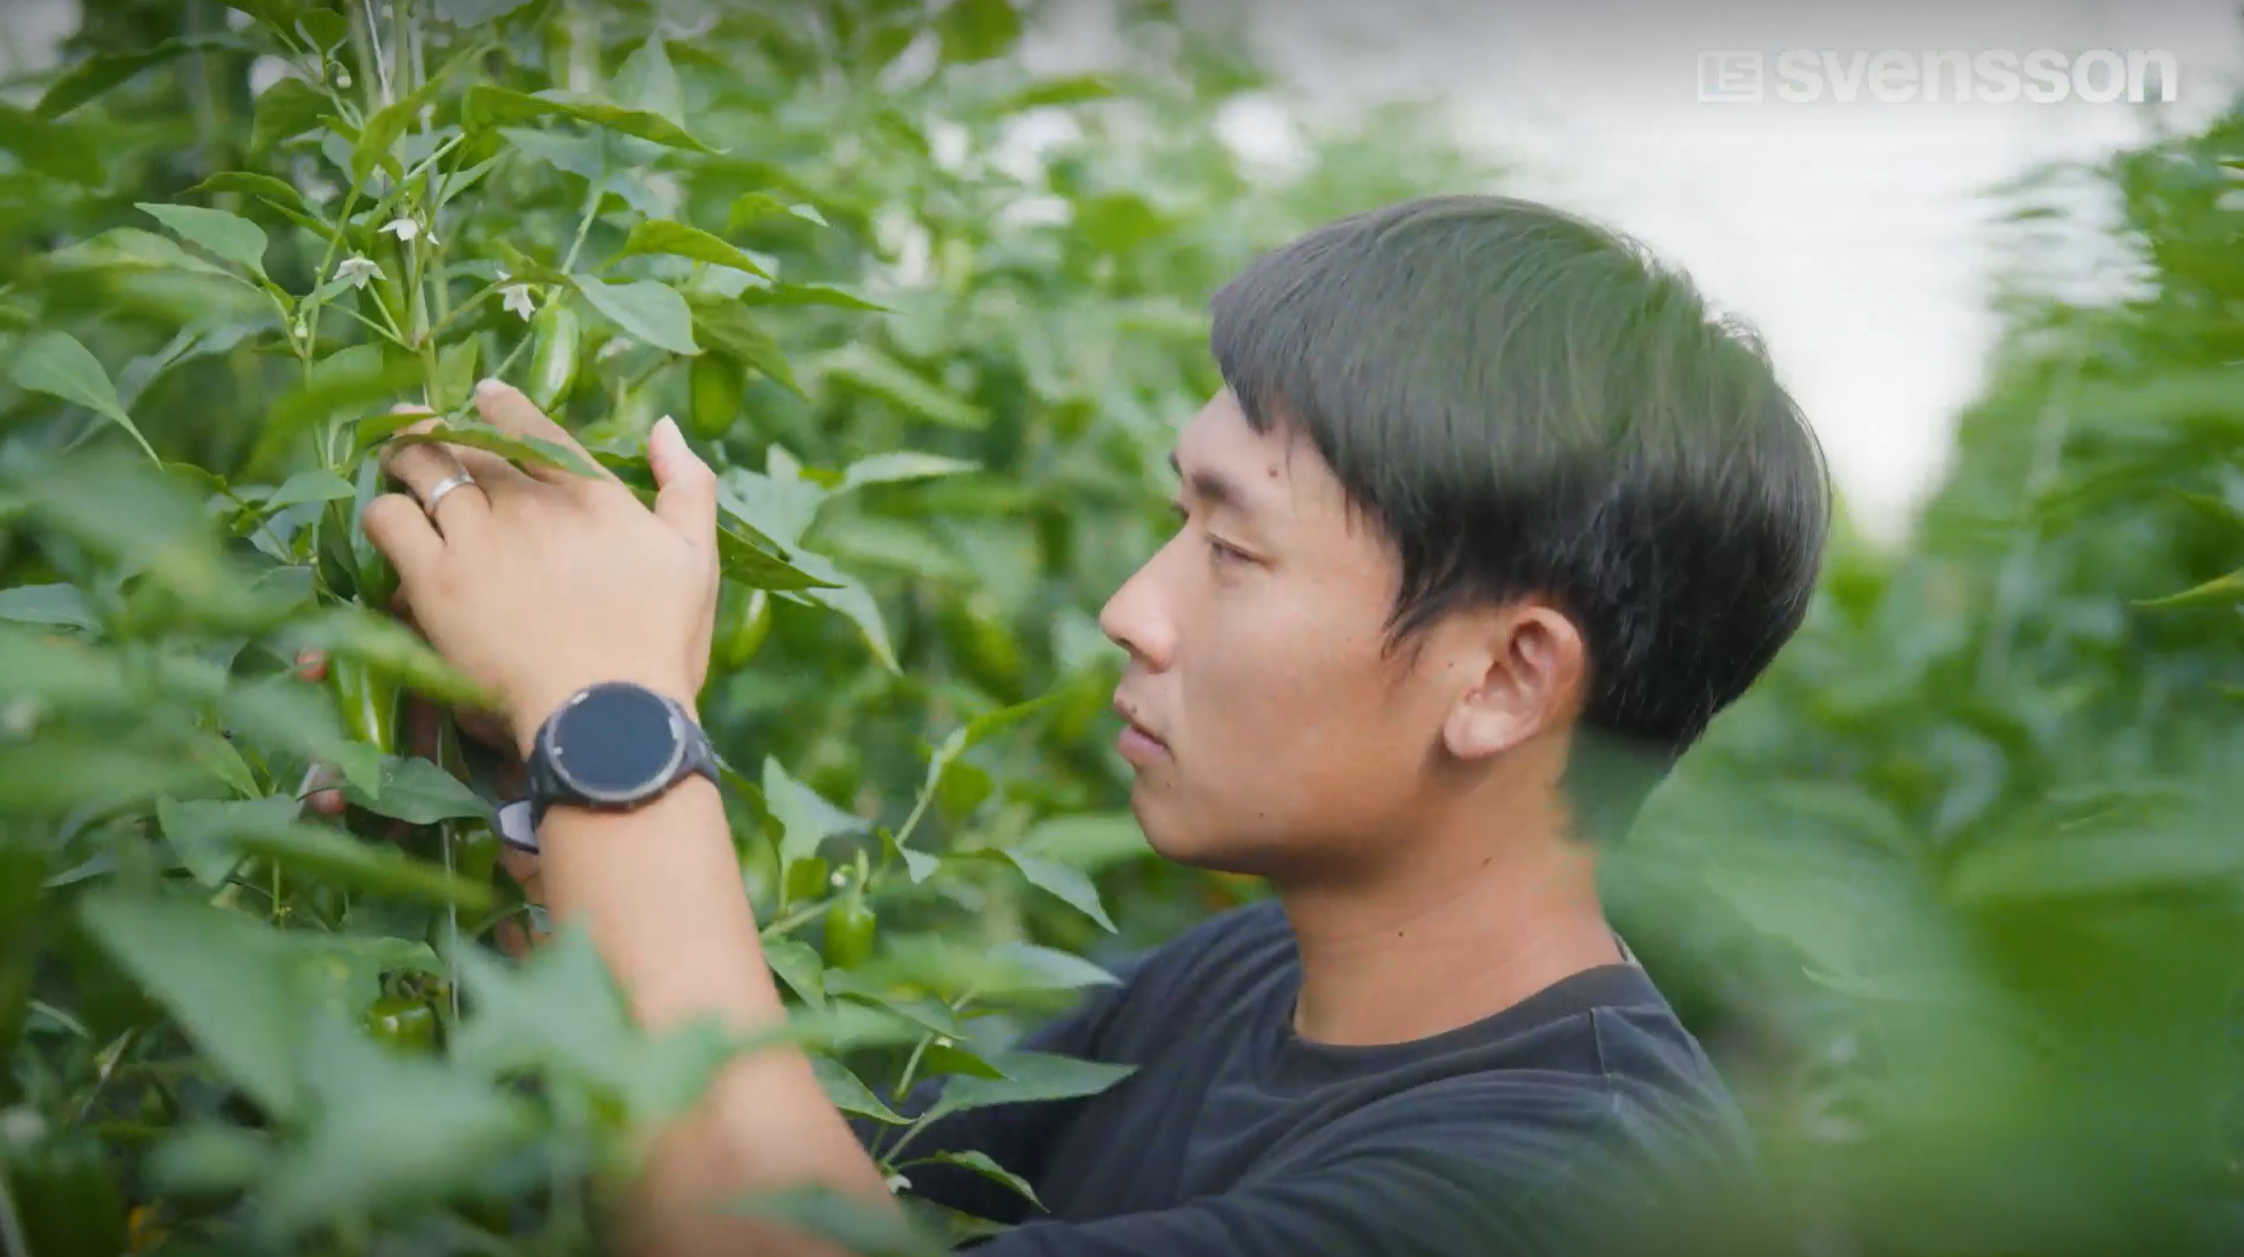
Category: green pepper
[717,381]
[849,932]
[806,879]
[475,850]
[401,1024]
[553,355]
[368,702]
[747,622]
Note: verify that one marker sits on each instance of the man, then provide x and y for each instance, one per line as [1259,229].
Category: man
[1489,520]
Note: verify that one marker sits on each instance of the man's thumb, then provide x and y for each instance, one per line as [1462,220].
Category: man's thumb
[685,488]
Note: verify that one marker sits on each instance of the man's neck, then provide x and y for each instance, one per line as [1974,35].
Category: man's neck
[1470,927]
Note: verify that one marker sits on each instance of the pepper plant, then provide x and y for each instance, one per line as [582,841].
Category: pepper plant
[268,236]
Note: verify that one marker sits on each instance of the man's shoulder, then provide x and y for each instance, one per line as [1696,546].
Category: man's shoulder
[1209,969]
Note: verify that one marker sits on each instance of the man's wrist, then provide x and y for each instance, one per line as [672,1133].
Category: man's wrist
[529,716]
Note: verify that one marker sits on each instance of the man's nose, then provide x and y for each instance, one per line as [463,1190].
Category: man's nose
[1136,618]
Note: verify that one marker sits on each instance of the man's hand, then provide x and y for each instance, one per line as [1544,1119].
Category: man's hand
[538,583]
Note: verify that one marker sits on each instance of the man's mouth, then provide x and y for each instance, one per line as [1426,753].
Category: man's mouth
[1138,744]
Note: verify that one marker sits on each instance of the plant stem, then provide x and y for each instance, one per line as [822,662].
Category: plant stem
[381,66]
[598,189]
[12,1242]
[792,921]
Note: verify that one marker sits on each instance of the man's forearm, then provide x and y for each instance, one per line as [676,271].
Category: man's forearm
[661,893]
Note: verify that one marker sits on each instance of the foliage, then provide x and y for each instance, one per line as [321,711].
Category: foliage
[935,365]
[1956,889]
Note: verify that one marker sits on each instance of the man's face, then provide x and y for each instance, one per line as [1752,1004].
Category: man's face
[1286,741]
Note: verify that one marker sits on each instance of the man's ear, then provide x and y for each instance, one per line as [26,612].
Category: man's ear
[1529,666]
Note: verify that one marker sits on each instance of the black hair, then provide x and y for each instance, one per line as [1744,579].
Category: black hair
[1528,403]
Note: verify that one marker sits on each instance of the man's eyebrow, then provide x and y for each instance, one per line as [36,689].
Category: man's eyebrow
[1212,487]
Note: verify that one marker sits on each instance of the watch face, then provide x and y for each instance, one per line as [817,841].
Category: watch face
[615,741]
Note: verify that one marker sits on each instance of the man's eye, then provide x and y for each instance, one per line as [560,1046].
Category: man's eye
[1223,553]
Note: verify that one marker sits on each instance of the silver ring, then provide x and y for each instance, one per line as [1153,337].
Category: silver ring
[442,487]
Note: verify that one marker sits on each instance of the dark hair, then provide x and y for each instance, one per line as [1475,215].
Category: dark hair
[1528,403]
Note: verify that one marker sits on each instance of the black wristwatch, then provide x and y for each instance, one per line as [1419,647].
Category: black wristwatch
[613,747]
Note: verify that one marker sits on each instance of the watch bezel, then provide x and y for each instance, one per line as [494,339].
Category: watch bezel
[549,739]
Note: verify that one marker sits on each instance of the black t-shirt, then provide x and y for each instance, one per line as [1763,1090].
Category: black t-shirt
[1583,1119]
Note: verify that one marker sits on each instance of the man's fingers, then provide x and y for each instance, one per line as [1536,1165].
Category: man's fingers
[507,409]
[396,525]
[494,473]
[686,490]
[435,477]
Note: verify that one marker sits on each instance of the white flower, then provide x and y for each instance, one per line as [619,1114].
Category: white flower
[356,270]
[405,229]
[516,298]
[897,1183]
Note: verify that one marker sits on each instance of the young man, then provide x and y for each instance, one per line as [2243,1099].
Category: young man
[1489,520]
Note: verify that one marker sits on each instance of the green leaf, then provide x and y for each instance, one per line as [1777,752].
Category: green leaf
[476,12]
[977,30]
[55,363]
[313,485]
[2057,866]
[646,80]
[848,596]
[201,831]
[2220,591]
[1071,90]
[220,977]
[346,862]
[658,235]
[727,326]
[653,312]
[580,155]
[1029,1076]
[284,713]
[57,773]
[844,1220]
[279,194]
[97,74]
[487,107]
[534,450]
[284,111]
[64,606]
[900,465]
[346,384]
[872,371]
[917,864]
[804,815]
[745,563]
[388,1133]
[980,1164]
[1069,884]
[562,1011]
[809,295]
[228,237]
[973,732]
[847,1092]
[132,247]
[209,1157]
[1047,969]
[57,150]
[798,965]
[418,792]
